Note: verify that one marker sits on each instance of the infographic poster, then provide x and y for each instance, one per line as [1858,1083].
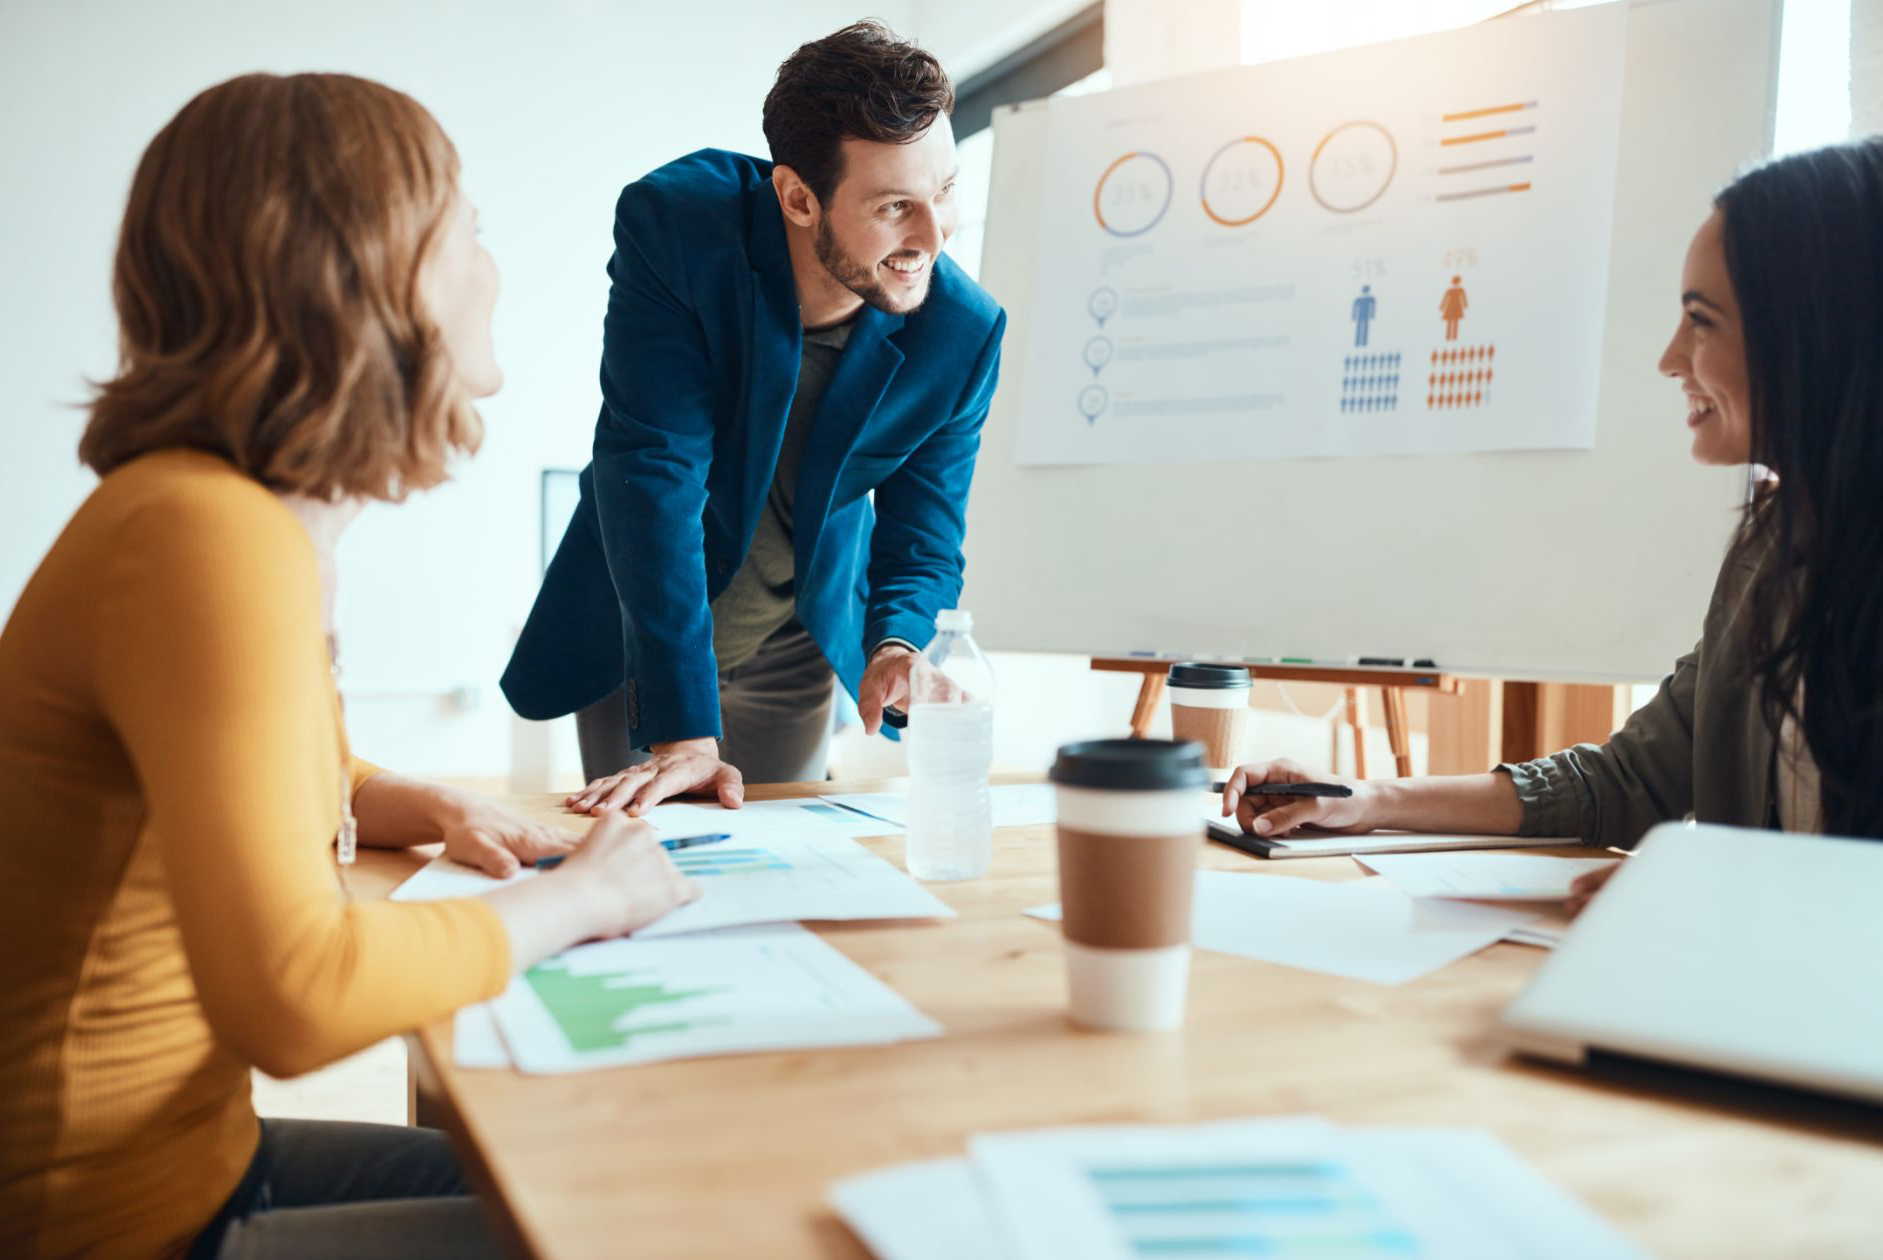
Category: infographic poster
[1395,249]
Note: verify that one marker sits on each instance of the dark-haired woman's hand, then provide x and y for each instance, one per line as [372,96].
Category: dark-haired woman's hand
[1269,815]
[1586,886]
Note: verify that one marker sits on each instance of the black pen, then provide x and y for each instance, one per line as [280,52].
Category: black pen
[1289,789]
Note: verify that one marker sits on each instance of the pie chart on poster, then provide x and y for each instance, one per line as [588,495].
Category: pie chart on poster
[1241,181]
[1353,166]
[1133,194]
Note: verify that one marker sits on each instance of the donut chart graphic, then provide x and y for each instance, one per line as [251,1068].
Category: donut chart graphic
[1133,194]
[1352,166]
[1236,178]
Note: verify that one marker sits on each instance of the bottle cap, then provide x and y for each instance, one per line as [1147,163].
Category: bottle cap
[957,619]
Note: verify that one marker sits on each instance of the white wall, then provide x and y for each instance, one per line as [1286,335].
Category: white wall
[553,107]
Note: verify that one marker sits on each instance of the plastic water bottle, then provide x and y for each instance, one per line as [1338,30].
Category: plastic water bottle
[951,747]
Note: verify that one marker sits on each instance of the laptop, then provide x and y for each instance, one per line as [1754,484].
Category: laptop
[1753,953]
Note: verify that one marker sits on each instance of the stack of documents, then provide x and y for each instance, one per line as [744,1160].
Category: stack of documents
[785,861]
[1528,878]
[1364,929]
[1280,1188]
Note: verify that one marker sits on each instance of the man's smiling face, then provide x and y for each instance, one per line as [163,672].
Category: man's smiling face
[889,216]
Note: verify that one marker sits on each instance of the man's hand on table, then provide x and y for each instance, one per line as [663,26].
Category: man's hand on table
[676,769]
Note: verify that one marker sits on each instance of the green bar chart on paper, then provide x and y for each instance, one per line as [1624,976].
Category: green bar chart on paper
[592,1009]
[728,991]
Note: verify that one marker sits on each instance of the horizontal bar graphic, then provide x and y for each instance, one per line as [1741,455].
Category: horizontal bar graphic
[1487,135]
[1483,192]
[1461,115]
[1485,166]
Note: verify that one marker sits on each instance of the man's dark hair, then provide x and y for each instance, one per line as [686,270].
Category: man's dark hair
[862,83]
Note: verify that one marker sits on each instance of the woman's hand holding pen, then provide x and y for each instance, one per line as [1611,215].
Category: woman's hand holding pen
[1268,815]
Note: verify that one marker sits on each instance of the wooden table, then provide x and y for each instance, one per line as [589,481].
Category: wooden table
[731,1156]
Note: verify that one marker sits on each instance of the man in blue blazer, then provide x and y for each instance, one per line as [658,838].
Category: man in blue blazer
[784,340]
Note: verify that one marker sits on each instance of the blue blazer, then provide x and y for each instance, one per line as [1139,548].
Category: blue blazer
[700,355]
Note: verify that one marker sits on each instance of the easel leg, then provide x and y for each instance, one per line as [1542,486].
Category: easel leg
[1396,733]
[1356,718]
[1150,691]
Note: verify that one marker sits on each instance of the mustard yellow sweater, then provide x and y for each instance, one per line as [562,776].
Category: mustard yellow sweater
[170,754]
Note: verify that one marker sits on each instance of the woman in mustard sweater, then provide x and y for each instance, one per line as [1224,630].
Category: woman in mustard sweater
[305,317]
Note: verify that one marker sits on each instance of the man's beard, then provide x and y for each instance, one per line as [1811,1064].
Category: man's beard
[857,277]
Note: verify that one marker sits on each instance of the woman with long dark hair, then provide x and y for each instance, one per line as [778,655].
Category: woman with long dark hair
[1775,719]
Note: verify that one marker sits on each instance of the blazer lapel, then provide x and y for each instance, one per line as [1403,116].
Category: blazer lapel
[869,364]
[772,351]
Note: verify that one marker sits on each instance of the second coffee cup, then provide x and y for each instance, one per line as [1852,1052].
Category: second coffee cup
[1210,704]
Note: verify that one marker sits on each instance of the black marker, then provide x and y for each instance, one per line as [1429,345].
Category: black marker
[1289,789]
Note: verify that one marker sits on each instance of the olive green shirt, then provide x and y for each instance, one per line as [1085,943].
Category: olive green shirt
[1702,746]
[762,596]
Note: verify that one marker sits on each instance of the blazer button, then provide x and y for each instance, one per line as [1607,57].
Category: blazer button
[722,565]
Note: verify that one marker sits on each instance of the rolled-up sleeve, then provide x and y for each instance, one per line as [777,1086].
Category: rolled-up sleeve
[1610,794]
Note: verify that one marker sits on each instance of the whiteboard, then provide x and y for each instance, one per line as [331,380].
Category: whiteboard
[1572,565]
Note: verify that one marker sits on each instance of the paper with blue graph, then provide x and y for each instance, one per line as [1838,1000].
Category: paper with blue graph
[764,875]
[1288,1189]
[737,991]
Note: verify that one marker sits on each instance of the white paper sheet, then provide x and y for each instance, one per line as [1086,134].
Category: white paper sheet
[931,1210]
[1281,1189]
[475,1042]
[740,990]
[1331,255]
[1364,929]
[1483,876]
[1013,805]
[769,877]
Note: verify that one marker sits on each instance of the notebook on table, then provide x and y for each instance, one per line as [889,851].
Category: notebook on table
[1312,844]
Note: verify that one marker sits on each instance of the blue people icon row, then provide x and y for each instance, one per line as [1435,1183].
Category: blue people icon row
[1369,384]
[1370,363]
[1371,402]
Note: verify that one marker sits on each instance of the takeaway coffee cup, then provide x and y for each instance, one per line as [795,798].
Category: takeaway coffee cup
[1210,704]
[1130,828]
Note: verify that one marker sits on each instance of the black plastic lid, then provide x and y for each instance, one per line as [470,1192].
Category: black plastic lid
[1131,765]
[1209,677]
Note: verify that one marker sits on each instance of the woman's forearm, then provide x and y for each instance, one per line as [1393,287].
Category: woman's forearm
[395,812]
[1471,804]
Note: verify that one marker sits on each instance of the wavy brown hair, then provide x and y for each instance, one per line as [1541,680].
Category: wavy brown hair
[863,82]
[267,287]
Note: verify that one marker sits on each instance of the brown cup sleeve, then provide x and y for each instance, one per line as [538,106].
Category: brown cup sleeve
[1127,892]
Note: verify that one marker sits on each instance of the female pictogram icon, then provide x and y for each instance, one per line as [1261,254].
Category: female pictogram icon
[1451,307]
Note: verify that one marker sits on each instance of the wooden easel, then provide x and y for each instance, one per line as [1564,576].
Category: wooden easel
[1391,682]
[1484,720]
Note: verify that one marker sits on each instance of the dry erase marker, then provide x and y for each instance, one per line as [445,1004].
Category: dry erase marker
[1289,789]
[678,842]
